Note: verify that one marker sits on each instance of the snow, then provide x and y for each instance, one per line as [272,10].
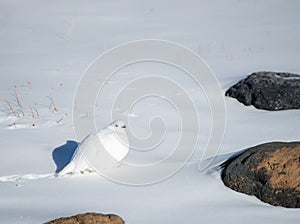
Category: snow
[46,47]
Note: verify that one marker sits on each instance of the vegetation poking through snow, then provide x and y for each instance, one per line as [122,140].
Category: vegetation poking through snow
[20,108]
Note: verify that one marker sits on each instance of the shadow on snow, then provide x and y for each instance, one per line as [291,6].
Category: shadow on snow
[63,154]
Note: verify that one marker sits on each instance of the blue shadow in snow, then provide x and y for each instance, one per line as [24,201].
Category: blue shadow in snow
[62,155]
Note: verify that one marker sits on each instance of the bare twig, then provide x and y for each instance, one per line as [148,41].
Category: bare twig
[11,108]
[31,110]
[17,98]
[59,120]
[52,103]
[22,111]
[36,111]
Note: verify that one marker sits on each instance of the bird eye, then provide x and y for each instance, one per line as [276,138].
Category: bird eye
[116,125]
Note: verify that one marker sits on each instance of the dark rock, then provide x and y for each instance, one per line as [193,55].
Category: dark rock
[268,91]
[269,171]
[89,218]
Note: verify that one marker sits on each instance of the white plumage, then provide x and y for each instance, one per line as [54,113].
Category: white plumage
[90,151]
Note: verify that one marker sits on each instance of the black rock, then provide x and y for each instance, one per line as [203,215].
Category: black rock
[268,91]
[269,171]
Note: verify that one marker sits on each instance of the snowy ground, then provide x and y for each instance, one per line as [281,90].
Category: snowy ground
[46,47]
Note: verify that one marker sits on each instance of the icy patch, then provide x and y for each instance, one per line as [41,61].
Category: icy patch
[22,178]
[288,78]
[11,122]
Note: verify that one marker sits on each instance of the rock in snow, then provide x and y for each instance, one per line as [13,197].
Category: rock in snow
[268,91]
[269,171]
[89,218]
[91,151]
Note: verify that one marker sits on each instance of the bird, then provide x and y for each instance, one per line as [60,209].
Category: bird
[92,150]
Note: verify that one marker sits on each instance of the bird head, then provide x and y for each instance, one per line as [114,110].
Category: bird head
[118,125]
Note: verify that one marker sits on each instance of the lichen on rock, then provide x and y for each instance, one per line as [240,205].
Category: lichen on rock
[269,171]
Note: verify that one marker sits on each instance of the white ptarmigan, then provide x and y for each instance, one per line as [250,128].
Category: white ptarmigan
[113,139]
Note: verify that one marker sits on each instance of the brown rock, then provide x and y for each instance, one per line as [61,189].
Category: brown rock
[89,218]
[269,171]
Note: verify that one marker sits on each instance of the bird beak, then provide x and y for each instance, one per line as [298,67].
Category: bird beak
[124,126]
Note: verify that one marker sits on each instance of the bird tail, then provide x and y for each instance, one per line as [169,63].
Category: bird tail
[67,169]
